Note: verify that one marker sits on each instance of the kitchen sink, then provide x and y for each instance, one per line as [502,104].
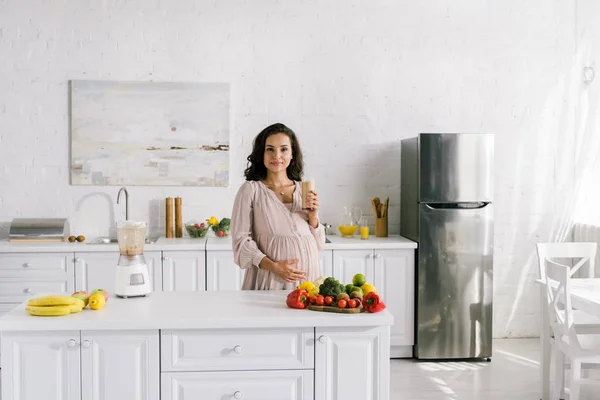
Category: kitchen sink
[109,240]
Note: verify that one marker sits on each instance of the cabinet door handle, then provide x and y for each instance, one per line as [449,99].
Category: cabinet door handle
[72,343]
[86,343]
[238,395]
[166,258]
[27,265]
[27,290]
[377,255]
[77,259]
[369,256]
[322,339]
[237,349]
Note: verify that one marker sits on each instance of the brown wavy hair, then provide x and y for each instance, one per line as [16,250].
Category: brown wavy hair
[256,169]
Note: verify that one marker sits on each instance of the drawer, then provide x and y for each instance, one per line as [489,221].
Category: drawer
[272,385]
[233,349]
[39,264]
[17,290]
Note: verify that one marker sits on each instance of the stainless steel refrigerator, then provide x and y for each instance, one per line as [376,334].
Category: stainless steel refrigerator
[447,207]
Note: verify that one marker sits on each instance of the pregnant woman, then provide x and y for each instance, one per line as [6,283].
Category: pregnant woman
[274,240]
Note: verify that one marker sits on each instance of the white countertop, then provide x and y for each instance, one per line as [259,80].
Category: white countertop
[192,310]
[201,244]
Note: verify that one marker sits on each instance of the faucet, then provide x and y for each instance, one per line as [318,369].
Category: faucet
[126,201]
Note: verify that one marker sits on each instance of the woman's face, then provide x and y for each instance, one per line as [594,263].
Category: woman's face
[278,152]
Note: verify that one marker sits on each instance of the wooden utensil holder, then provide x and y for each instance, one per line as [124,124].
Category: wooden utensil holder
[381,227]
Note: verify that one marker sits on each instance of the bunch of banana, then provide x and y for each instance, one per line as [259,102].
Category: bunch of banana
[54,306]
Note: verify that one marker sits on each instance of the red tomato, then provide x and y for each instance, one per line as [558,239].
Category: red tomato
[313,299]
[342,303]
[328,300]
[320,300]
[352,303]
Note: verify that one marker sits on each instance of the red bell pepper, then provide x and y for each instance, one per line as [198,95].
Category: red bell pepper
[297,299]
[373,303]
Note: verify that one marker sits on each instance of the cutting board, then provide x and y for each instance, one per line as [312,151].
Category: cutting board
[356,310]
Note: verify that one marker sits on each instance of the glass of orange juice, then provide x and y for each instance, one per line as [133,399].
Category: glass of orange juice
[364,228]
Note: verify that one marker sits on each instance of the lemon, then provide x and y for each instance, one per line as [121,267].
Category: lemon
[367,287]
[97,301]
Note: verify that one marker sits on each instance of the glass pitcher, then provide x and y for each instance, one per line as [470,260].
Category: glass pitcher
[346,225]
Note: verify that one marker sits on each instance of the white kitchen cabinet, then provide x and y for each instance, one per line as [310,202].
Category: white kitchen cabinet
[352,363]
[51,361]
[81,365]
[98,270]
[184,270]
[395,281]
[347,263]
[326,261]
[221,272]
[253,385]
[4,308]
[120,365]
[392,273]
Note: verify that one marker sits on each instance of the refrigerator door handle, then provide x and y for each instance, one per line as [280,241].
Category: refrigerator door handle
[457,206]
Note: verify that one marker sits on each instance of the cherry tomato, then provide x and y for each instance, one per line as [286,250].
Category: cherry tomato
[320,300]
[342,303]
[328,300]
[352,303]
[313,299]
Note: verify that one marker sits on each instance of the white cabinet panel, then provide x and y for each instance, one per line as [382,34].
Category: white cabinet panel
[120,365]
[43,365]
[184,270]
[241,349]
[259,385]
[326,261]
[347,263]
[221,272]
[395,280]
[4,308]
[352,363]
[36,265]
[98,270]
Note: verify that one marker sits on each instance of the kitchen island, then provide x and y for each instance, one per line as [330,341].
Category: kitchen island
[190,345]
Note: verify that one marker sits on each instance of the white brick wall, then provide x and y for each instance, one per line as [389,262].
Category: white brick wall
[351,77]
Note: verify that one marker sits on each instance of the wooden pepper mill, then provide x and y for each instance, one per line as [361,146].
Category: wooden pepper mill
[169,217]
[178,218]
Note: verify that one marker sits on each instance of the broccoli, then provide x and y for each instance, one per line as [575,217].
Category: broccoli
[331,287]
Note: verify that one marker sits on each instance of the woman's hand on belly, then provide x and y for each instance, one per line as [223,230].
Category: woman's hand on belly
[284,269]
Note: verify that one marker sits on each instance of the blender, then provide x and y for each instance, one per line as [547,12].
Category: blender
[132,277]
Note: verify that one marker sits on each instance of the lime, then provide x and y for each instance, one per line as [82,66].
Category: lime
[359,280]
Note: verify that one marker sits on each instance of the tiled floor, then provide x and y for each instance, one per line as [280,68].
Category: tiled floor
[513,373]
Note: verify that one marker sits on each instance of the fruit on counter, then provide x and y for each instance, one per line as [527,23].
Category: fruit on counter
[342,296]
[312,299]
[367,288]
[72,239]
[309,287]
[297,299]
[328,300]
[331,287]
[356,295]
[97,301]
[221,228]
[212,221]
[83,296]
[373,303]
[320,300]
[352,303]
[79,303]
[342,303]
[81,238]
[75,308]
[351,288]
[359,280]
[52,301]
[101,291]
[196,230]
[49,311]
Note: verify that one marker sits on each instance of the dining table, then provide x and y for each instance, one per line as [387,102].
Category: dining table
[585,296]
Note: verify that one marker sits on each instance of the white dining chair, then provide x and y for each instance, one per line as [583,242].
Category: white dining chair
[584,256]
[566,340]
